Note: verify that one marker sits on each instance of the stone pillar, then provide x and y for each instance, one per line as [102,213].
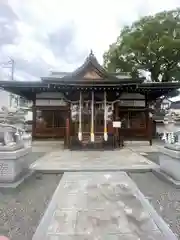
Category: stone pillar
[80,117]
[92,117]
[105,117]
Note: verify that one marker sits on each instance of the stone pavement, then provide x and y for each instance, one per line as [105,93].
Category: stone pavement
[126,159]
[97,205]
[143,147]
[46,146]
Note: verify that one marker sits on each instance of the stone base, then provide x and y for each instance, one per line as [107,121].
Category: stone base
[13,165]
[163,176]
[169,161]
[11,148]
[104,145]
[17,182]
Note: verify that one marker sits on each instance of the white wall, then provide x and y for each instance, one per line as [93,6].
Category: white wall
[4,99]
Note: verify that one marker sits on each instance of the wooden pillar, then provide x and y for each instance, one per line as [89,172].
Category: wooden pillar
[69,126]
[34,118]
[80,117]
[148,121]
[92,116]
[67,134]
[116,130]
[150,131]
[105,117]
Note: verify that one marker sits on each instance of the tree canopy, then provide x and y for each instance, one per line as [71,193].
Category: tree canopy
[151,44]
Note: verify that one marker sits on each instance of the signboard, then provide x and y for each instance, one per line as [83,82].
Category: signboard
[50,102]
[116,124]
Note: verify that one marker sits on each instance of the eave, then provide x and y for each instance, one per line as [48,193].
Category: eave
[86,81]
[24,89]
[29,89]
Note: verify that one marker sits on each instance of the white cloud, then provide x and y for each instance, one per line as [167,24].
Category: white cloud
[95,24]
[21,75]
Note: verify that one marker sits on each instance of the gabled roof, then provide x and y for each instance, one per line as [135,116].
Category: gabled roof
[89,64]
[90,75]
[90,70]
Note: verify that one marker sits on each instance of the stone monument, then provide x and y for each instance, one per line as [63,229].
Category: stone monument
[15,144]
[169,123]
[169,158]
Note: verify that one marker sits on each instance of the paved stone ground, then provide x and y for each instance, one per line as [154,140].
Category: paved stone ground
[22,208]
[139,148]
[28,210]
[46,146]
[100,205]
[124,159]
[163,196]
[28,202]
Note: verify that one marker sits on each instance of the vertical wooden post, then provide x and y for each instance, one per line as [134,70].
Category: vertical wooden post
[105,117]
[80,117]
[34,118]
[117,140]
[92,116]
[67,134]
[150,129]
[148,121]
[69,126]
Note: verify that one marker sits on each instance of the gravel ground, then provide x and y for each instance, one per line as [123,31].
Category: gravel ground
[163,196]
[22,208]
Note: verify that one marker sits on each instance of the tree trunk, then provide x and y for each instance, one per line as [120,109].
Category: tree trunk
[166,76]
[154,76]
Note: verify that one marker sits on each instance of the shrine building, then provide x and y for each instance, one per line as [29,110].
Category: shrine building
[90,107]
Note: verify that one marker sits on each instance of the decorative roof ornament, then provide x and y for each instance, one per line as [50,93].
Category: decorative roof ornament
[91,53]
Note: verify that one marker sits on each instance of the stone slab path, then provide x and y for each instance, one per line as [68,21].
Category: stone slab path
[117,160]
[46,146]
[140,147]
[97,205]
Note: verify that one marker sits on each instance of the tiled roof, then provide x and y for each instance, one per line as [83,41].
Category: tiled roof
[91,63]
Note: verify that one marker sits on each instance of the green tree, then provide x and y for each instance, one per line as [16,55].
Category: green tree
[151,44]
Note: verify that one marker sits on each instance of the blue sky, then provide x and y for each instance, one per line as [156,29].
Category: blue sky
[41,35]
